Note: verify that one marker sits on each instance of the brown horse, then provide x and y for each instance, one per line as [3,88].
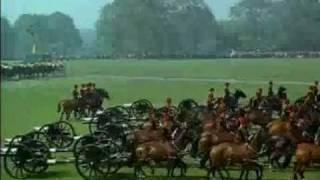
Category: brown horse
[209,139]
[286,128]
[306,154]
[243,154]
[68,106]
[258,117]
[147,135]
[163,151]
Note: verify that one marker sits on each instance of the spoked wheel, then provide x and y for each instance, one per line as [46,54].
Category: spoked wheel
[173,111]
[141,108]
[113,161]
[93,138]
[38,136]
[14,162]
[187,105]
[39,153]
[89,162]
[60,134]
[92,126]
[122,113]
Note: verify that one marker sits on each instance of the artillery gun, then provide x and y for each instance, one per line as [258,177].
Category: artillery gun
[31,153]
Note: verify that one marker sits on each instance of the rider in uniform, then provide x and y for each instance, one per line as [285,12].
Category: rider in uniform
[152,122]
[227,94]
[257,100]
[83,94]
[270,89]
[244,124]
[210,99]
[316,91]
[89,87]
[168,115]
[227,91]
[83,91]
[75,92]
[282,94]
[93,87]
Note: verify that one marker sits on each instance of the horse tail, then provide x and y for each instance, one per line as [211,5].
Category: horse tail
[59,106]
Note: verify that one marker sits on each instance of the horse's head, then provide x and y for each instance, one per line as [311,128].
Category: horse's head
[239,94]
[281,90]
[103,93]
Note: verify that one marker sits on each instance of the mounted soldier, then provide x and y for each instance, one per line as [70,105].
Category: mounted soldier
[270,89]
[282,94]
[210,100]
[227,91]
[244,124]
[255,102]
[83,90]
[316,91]
[75,92]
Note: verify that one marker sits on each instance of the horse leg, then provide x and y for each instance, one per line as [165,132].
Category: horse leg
[213,172]
[75,113]
[220,173]
[68,115]
[170,167]
[287,160]
[295,171]
[241,173]
[152,165]
[247,174]
[301,172]
[61,115]
[183,167]
[203,161]
[260,171]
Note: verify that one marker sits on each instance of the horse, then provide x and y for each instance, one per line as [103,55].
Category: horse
[306,154]
[230,153]
[95,99]
[232,102]
[259,117]
[209,139]
[159,151]
[277,147]
[68,106]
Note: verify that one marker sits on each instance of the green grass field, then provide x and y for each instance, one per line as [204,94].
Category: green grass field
[29,103]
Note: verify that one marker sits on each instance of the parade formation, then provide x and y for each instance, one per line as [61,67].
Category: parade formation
[31,70]
[223,133]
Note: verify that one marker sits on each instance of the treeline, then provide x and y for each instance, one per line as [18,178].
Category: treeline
[189,28]
[52,34]
[172,28]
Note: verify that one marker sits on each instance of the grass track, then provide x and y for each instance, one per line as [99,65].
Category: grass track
[29,103]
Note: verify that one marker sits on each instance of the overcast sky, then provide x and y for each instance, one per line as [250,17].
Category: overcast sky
[84,12]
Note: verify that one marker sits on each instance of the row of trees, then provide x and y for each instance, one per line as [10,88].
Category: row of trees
[292,25]
[188,27]
[152,27]
[54,34]
[172,27]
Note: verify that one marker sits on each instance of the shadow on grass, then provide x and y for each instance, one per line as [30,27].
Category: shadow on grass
[127,176]
[50,174]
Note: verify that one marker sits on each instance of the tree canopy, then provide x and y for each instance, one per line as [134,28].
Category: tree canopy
[7,39]
[54,34]
[290,25]
[152,27]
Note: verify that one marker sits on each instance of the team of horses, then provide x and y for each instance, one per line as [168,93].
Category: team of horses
[87,105]
[215,137]
[31,70]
